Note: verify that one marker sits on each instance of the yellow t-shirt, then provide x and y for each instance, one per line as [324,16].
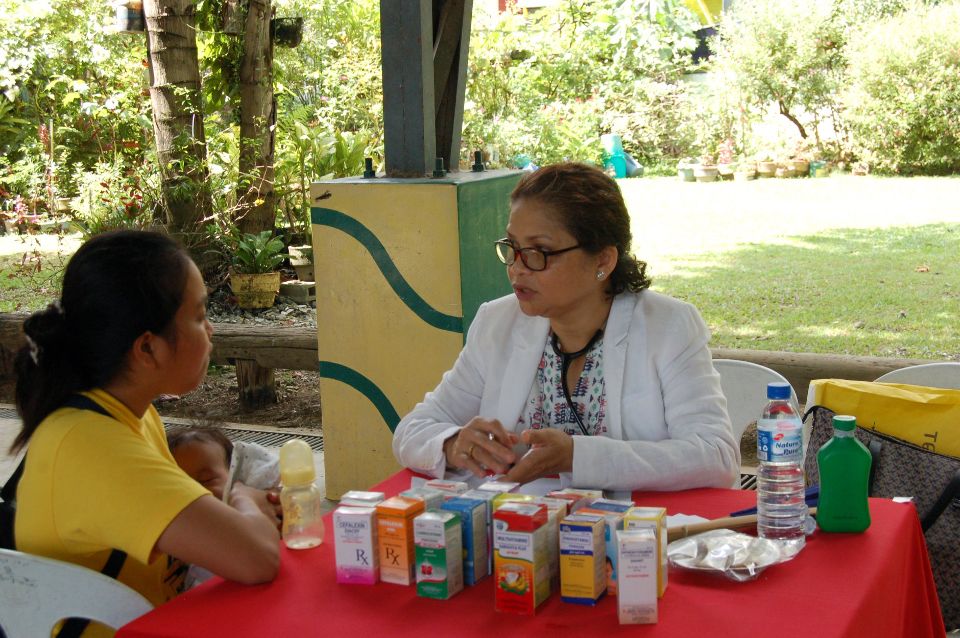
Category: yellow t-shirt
[93,483]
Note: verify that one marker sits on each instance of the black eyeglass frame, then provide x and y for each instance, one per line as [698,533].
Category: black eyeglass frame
[523,252]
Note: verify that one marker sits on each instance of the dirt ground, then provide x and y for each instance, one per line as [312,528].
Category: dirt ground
[298,401]
[215,400]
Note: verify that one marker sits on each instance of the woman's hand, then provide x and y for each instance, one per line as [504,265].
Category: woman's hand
[551,452]
[267,501]
[481,445]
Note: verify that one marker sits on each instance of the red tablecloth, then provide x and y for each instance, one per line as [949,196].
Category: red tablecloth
[873,584]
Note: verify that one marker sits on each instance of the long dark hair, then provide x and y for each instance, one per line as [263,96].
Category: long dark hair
[116,287]
[591,208]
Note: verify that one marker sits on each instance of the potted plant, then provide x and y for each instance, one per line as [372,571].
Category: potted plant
[798,167]
[685,170]
[745,171]
[254,277]
[706,170]
[725,159]
[766,166]
[301,258]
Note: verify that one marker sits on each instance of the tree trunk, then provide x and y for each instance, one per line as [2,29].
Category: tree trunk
[256,197]
[178,116]
[784,111]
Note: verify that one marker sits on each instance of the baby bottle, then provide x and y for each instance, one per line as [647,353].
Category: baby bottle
[300,498]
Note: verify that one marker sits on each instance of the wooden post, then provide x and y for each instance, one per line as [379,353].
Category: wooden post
[256,384]
[409,141]
[450,50]
[425,45]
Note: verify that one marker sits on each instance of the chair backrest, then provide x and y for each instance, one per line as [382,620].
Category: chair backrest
[745,386]
[944,375]
[38,592]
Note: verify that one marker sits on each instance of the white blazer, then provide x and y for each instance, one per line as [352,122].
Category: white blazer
[667,423]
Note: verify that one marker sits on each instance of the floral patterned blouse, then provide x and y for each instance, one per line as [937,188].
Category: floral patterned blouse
[547,407]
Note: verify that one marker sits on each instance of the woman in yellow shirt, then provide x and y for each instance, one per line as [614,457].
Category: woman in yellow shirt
[130,325]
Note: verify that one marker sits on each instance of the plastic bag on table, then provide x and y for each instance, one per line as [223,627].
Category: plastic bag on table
[737,556]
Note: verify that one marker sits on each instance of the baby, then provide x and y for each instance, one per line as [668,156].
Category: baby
[214,461]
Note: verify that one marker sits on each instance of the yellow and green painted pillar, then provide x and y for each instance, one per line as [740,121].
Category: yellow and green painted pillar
[402,266]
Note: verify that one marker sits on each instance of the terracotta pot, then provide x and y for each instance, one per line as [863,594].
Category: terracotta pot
[255,290]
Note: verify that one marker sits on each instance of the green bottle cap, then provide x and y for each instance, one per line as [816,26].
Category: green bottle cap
[844,422]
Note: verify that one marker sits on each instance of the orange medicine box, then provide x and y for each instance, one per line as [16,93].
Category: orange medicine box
[654,518]
[520,565]
[395,538]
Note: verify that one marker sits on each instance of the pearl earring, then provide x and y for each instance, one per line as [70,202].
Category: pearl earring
[600,275]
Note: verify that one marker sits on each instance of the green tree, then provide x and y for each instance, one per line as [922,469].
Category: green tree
[788,52]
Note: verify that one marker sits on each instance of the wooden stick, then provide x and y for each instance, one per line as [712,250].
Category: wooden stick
[729,522]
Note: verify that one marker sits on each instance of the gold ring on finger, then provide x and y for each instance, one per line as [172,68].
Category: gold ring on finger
[470,449]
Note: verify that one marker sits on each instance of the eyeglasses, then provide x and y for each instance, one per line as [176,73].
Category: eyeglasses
[532,258]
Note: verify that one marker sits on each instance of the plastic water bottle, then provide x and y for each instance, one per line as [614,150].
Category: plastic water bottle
[781,506]
[300,498]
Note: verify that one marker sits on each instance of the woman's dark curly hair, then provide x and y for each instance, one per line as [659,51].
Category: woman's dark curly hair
[589,205]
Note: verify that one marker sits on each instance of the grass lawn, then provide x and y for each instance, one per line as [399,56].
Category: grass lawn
[31,267]
[843,265]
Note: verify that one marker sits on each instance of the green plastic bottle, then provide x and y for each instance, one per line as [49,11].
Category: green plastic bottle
[844,464]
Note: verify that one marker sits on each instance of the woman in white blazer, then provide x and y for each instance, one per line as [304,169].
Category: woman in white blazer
[582,371]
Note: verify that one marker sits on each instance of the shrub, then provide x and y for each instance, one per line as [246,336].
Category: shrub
[549,84]
[112,197]
[903,102]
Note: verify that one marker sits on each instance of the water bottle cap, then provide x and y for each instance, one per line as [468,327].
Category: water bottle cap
[296,463]
[778,390]
[844,422]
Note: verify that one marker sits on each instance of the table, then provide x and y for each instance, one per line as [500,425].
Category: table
[873,584]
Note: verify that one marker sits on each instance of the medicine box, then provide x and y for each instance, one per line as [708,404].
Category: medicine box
[355,545]
[395,538]
[449,488]
[582,559]
[521,572]
[431,498]
[637,593]
[473,519]
[613,513]
[654,518]
[362,499]
[439,554]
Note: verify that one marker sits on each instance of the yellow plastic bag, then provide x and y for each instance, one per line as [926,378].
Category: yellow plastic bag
[928,417]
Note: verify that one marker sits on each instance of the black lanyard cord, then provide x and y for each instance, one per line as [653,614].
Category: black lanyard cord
[566,358]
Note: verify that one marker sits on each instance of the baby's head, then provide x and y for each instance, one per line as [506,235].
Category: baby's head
[204,454]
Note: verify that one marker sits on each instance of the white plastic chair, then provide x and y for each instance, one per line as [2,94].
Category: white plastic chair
[944,375]
[744,384]
[38,592]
